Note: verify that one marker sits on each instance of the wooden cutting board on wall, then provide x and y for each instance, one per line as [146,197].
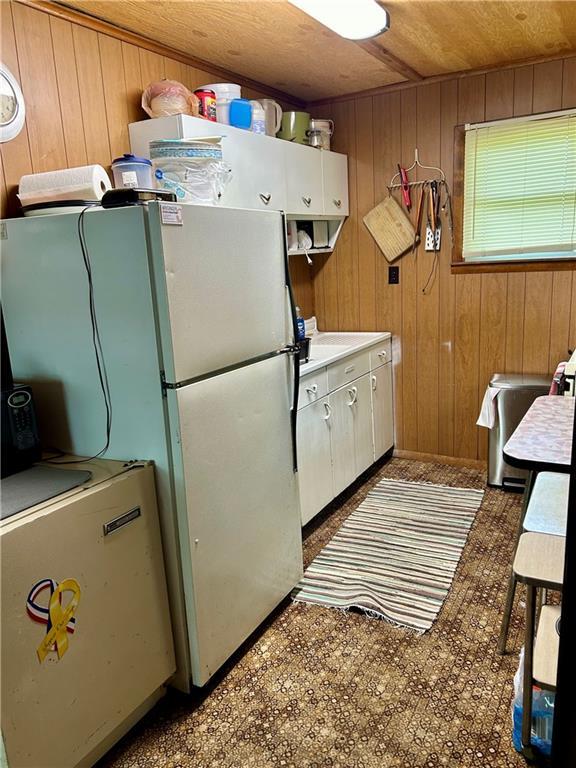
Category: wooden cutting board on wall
[391,228]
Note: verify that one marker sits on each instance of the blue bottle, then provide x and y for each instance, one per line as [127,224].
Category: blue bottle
[301,325]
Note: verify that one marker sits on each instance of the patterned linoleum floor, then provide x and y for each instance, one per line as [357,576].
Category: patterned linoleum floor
[319,688]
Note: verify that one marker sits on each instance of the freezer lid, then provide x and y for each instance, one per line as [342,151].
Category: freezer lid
[520,381]
[220,287]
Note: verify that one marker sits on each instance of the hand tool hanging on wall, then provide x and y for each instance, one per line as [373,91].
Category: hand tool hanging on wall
[447,209]
[418,227]
[405,187]
[434,229]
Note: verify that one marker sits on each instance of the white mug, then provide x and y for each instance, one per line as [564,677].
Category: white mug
[273,112]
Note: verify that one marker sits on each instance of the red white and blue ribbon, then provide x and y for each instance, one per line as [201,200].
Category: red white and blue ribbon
[40,613]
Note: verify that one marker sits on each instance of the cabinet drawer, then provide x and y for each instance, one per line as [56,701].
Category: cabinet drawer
[312,388]
[380,354]
[348,369]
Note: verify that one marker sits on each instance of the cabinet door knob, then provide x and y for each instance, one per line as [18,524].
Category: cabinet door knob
[383,354]
[353,396]
[338,203]
[312,390]
[328,411]
[374,383]
[307,201]
[265,198]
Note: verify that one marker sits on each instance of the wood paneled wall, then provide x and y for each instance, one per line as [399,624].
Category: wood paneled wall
[449,340]
[82,88]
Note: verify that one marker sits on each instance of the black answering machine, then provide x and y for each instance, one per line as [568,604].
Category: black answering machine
[20,439]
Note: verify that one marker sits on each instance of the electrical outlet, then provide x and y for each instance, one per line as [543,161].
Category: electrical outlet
[393,275]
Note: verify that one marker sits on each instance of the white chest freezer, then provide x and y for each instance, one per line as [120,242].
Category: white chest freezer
[86,636]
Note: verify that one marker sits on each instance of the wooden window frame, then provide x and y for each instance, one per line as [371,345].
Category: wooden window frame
[459,265]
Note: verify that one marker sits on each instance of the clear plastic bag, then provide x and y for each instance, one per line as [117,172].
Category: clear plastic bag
[169,97]
[193,180]
[542,714]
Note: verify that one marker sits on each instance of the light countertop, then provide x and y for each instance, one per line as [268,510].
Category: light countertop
[328,347]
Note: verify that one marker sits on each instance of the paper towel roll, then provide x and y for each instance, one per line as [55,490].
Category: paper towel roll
[87,182]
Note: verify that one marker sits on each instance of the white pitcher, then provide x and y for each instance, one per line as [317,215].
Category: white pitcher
[273,112]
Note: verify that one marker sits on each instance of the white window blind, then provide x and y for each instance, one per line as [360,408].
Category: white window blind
[520,189]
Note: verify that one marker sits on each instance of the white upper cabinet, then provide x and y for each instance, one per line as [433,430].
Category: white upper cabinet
[303,167]
[267,173]
[335,179]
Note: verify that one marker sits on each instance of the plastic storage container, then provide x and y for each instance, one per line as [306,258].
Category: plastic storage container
[132,171]
[516,395]
[225,92]
[240,113]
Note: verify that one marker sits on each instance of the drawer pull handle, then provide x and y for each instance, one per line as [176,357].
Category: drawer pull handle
[328,411]
[338,203]
[349,368]
[383,354]
[312,390]
[265,198]
[374,383]
[353,396]
[307,201]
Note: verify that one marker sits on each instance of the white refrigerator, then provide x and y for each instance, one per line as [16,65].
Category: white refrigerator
[196,327]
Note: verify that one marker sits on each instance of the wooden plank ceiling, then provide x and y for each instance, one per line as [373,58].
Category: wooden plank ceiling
[275,43]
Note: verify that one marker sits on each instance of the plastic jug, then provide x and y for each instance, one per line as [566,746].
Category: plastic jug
[273,112]
[258,118]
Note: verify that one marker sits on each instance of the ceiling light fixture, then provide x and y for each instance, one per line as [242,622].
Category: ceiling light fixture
[354,19]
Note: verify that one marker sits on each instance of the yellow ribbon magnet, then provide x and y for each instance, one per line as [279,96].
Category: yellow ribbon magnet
[59,620]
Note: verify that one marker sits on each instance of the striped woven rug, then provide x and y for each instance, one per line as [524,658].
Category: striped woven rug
[396,555]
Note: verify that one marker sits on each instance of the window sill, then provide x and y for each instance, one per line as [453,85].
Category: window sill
[547,265]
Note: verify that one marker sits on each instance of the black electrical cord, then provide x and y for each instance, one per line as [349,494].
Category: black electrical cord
[97,344]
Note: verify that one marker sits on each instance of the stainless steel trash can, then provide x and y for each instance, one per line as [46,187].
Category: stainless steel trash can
[517,393]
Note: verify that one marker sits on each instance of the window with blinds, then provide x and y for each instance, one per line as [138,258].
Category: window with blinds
[520,189]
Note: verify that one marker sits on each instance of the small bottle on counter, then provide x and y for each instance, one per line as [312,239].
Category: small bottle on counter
[301,325]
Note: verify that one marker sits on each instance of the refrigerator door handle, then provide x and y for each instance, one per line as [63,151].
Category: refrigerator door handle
[294,411]
[293,349]
[289,282]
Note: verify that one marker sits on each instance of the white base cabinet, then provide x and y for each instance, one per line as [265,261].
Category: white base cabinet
[314,458]
[340,434]
[382,410]
[352,447]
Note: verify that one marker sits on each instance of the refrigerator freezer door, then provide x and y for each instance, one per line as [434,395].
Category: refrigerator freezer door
[238,499]
[220,287]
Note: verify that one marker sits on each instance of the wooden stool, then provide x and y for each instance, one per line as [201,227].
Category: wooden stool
[544,510]
[539,563]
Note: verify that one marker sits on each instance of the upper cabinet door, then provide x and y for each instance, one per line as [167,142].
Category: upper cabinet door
[303,168]
[264,185]
[335,177]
